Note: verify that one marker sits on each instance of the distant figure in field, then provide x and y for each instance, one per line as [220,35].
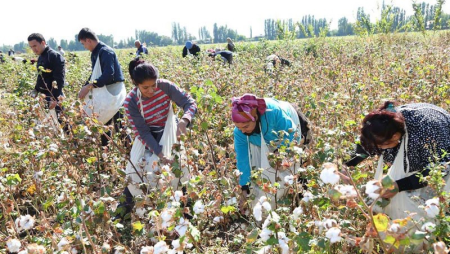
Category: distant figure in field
[230,45]
[61,50]
[141,49]
[2,57]
[225,55]
[11,52]
[274,62]
[191,49]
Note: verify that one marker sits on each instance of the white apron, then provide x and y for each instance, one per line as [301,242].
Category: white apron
[258,159]
[150,167]
[104,101]
[405,200]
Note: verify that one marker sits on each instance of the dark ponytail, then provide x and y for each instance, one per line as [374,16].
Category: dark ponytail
[379,126]
[140,71]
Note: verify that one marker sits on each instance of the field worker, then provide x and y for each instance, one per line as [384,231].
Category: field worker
[191,49]
[274,62]
[61,50]
[111,78]
[11,52]
[408,138]
[2,57]
[256,122]
[230,45]
[51,69]
[225,55]
[141,49]
[148,107]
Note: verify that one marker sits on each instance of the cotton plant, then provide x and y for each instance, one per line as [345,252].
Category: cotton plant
[63,244]
[13,245]
[432,207]
[258,208]
[25,222]
[333,234]
[329,174]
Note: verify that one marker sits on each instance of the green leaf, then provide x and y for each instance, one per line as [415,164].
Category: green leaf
[227,209]
[381,222]
[272,241]
[91,160]
[418,235]
[194,232]
[137,226]
[303,241]
[204,125]
[252,236]
[13,179]
[334,195]
[99,207]
[387,182]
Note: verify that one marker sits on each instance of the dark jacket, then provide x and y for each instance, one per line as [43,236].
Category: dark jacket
[195,50]
[111,71]
[53,69]
[141,50]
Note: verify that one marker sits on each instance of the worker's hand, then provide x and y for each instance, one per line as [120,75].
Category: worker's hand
[181,127]
[84,91]
[163,159]
[243,202]
[52,104]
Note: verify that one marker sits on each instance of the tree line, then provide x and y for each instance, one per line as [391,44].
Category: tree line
[392,19]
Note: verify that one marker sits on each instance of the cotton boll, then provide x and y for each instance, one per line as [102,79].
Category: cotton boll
[265,234]
[328,174]
[182,227]
[237,173]
[433,201]
[160,247]
[267,206]
[372,187]
[347,191]
[140,212]
[178,195]
[257,212]
[13,245]
[63,243]
[394,228]
[307,196]
[283,242]
[25,222]
[289,179]
[432,211]
[199,207]
[297,212]
[147,250]
[166,217]
[218,219]
[329,223]
[333,234]
[429,227]
[231,201]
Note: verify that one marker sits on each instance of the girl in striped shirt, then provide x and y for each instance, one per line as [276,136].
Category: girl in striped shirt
[147,105]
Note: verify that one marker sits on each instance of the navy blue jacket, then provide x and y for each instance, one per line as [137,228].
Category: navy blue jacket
[142,49]
[53,64]
[111,71]
[195,50]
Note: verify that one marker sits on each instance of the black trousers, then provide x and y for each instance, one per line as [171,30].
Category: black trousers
[117,126]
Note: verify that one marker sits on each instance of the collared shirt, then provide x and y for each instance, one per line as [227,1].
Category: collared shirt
[111,71]
[53,65]
[141,50]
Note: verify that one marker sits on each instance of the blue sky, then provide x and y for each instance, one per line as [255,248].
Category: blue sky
[62,19]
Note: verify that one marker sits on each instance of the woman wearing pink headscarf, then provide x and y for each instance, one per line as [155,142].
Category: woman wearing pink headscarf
[258,120]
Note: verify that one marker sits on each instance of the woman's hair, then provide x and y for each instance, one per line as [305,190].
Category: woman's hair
[379,126]
[140,71]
